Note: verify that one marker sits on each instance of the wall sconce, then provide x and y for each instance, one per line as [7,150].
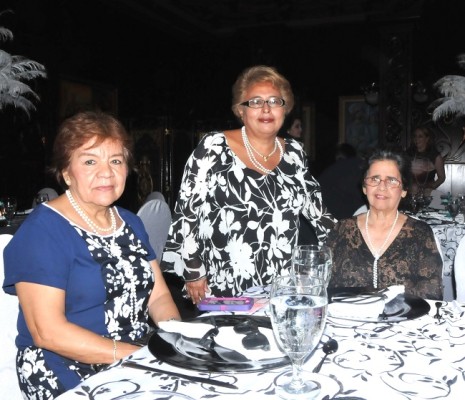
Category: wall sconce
[419,92]
[371,93]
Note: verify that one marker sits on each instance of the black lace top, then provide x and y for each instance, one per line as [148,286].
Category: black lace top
[412,259]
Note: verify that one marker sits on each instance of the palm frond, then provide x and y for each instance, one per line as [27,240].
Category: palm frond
[453,89]
[447,106]
[451,85]
[18,102]
[5,59]
[25,69]
[13,71]
[5,34]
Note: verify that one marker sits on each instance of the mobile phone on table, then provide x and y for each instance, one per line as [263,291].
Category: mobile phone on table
[226,304]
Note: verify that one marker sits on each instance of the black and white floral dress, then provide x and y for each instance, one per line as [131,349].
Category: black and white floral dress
[235,225]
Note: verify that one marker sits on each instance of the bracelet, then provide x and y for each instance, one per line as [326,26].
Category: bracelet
[114,350]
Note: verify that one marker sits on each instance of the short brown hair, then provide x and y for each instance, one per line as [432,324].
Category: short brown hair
[80,128]
[257,74]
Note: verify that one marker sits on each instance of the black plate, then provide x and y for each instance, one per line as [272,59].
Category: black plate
[403,307]
[168,349]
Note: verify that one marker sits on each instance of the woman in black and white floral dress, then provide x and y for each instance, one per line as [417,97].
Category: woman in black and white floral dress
[237,215]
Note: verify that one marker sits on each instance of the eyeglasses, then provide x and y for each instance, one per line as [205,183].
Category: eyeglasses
[257,102]
[390,182]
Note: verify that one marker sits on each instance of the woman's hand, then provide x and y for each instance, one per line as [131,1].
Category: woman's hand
[197,289]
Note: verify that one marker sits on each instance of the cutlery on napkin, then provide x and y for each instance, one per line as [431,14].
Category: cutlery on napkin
[226,338]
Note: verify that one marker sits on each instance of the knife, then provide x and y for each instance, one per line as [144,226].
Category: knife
[131,364]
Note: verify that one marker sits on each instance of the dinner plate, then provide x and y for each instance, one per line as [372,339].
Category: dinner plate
[402,308]
[184,352]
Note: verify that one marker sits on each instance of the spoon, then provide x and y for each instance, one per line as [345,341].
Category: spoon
[329,347]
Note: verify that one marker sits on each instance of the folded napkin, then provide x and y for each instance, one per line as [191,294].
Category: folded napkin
[188,329]
[226,338]
[363,305]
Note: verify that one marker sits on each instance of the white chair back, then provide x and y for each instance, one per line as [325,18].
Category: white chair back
[8,317]
[156,216]
[51,193]
[361,210]
[154,196]
[459,271]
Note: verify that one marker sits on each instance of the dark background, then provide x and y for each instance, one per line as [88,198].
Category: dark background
[173,64]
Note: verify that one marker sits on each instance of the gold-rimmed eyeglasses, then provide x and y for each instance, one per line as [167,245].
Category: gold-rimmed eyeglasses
[390,182]
[258,102]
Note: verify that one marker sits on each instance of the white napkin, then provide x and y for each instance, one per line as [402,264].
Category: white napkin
[187,329]
[226,338]
[364,306]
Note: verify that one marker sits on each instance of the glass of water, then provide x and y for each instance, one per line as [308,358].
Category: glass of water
[313,260]
[298,305]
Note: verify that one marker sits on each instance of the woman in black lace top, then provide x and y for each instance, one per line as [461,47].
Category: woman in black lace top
[384,247]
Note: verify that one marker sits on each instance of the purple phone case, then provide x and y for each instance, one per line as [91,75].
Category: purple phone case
[226,304]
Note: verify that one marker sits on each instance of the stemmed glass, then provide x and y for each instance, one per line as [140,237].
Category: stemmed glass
[9,204]
[298,306]
[453,207]
[313,260]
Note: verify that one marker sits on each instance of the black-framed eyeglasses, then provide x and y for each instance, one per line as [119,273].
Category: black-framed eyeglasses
[390,182]
[258,102]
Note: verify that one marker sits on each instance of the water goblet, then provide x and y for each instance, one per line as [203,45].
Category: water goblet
[9,204]
[298,305]
[312,260]
[453,207]
[2,212]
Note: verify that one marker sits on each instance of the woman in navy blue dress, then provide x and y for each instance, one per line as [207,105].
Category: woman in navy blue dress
[85,274]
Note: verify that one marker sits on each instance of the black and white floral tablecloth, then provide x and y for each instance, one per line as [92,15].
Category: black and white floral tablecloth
[423,358]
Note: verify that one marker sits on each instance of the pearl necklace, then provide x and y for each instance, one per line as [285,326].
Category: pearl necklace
[249,149]
[95,228]
[377,253]
[112,249]
[265,158]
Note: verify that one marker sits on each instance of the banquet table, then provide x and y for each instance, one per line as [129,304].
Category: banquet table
[15,224]
[420,358]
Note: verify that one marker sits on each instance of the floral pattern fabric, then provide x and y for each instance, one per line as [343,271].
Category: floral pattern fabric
[412,259]
[235,225]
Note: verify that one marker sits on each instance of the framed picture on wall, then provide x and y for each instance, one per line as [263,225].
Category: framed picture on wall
[308,125]
[358,123]
[76,95]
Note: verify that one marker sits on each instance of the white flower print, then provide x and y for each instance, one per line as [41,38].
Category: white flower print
[241,258]
[245,235]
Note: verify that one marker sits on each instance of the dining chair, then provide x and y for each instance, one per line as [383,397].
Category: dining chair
[154,196]
[361,210]
[51,193]
[8,332]
[156,217]
[459,271]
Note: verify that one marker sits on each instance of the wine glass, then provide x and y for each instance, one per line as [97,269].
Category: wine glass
[298,306]
[9,204]
[312,260]
[453,207]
